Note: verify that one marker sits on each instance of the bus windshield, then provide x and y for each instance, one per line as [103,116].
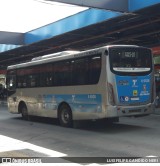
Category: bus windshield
[130,60]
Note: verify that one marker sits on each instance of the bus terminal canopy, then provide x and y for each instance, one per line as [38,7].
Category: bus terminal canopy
[88,29]
[124,6]
[121,5]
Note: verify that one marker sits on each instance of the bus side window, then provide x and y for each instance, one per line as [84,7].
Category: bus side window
[80,72]
[57,74]
[42,79]
[62,73]
[24,81]
[49,79]
[19,82]
[95,69]
[46,75]
[33,80]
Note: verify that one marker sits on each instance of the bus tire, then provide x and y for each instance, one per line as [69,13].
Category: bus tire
[24,112]
[65,115]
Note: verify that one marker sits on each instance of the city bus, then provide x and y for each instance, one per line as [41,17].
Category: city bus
[102,83]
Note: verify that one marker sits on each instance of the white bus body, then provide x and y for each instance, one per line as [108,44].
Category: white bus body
[93,84]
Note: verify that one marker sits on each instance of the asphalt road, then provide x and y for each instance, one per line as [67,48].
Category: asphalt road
[43,137]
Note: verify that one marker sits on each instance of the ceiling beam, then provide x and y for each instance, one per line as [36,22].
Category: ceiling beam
[11,38]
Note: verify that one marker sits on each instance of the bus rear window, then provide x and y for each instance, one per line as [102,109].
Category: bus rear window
[130,60]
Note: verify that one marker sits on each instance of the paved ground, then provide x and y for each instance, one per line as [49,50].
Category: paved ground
[43,137]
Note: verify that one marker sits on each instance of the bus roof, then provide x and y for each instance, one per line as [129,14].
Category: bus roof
[63,55]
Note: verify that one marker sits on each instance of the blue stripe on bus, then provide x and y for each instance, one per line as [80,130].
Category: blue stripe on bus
[78,102]
[133,89]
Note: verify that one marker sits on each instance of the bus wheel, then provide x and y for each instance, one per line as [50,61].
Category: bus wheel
[24,112]
[65,116]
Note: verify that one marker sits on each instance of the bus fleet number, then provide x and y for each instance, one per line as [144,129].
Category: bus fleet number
[92,96]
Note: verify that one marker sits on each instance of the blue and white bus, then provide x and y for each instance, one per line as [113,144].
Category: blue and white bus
[106,82]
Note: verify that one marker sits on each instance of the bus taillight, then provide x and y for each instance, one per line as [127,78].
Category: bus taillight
[111,94]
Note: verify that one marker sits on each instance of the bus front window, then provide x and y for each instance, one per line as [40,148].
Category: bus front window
[11,82]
